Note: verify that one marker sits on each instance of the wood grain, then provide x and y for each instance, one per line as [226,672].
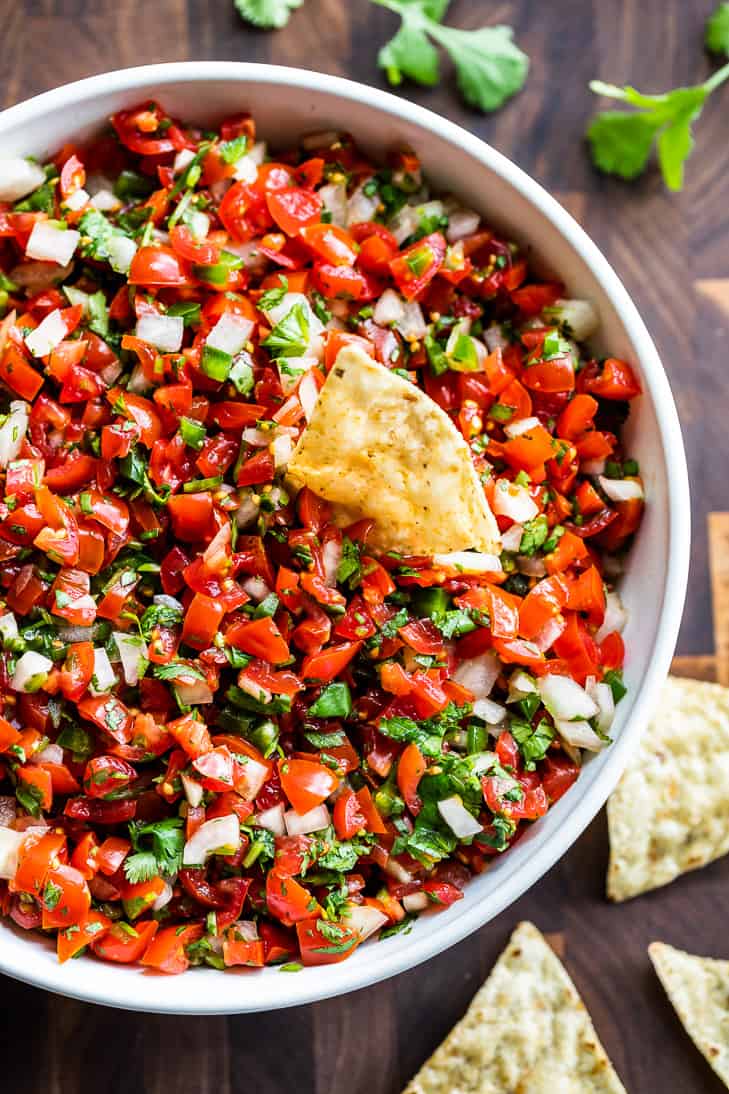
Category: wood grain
[672,252]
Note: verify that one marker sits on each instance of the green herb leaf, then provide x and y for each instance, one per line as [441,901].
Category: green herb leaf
[290,336]
[533,742]
[621,142]
[167,841]
[268,14]
[272,297]
[490,68]
[335,701]
[716,36]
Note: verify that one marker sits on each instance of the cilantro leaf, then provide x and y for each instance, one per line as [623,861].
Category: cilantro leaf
[349,570]
[271,297]
[164,856]
[533,742]
[267,14]
[490,68]
[290,336]
[621,143]
[140,867]
[96,231]
[716,36]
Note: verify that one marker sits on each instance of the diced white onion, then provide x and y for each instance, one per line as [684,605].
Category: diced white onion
[194,693]
[406,221]
[219,836]
[105,201]
[398,871]
[31,670]
[514,501]
[164,897]
[104,677]
[19,177]
[282,449]
[511,538]
[461,823]
[579,734]
[273,819]
[121,252]
[182,160]
[8,627]
[361,207]
[593,467]
[167,601]
[248,509]
[389,308]
[199,223]
[579,315]
[138,382]
[74,633]
[300,824]
[230,333]
[415,902]
[12,432]
[50,244]
[495,338]
[621,489]
[564,698]
[8,810]
[77,200]
[363,919]
[334,196]
[549,633]
[256,588]
[50,331]
[522,425]
[490,712]
[521,685]
[469,562]
[246,170]
[247,929]
[331,556]
[308,395]
[602,694]
[51,754]
[292,369]
[615,617]
[462,223]
[194,790]
[164,332]
[411,325]
[10,845]
[479,674]
[133,652]
[532,567]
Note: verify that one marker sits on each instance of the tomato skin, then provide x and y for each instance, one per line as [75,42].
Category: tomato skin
[289,901]
[559,775]
[191,516]
[125,947]
[37,856]
[105,774]
[318,947]
[259,637]
[330,243]
[71,904]
[91,928]
[348,815]
[415,267]
[294,209]
[325,666]
[410,769]
[166,950]
[306,783]
[616,381]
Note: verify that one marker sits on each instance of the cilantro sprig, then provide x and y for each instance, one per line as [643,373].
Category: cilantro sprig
[160,853]
[716,36]
[621,142]
[490,68]
[267,14]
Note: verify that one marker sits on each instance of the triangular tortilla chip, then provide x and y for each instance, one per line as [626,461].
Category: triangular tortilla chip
[670,811]
[698,988]
[526,1032]
[377,446]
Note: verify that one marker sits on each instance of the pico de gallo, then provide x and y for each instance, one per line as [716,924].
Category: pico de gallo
[231,733]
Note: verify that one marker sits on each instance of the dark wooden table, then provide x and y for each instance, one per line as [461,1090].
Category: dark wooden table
[673,254]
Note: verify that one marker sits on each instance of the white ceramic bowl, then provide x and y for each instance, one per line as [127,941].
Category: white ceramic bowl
[285,103]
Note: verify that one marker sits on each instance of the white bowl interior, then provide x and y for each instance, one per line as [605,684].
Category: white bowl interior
[285,103]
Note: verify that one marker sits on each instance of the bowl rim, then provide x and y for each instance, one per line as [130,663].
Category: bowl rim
[124,993]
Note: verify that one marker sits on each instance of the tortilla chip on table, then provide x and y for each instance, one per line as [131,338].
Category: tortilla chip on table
[698,988]
[377,446]
[670,811]
[526,1031]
